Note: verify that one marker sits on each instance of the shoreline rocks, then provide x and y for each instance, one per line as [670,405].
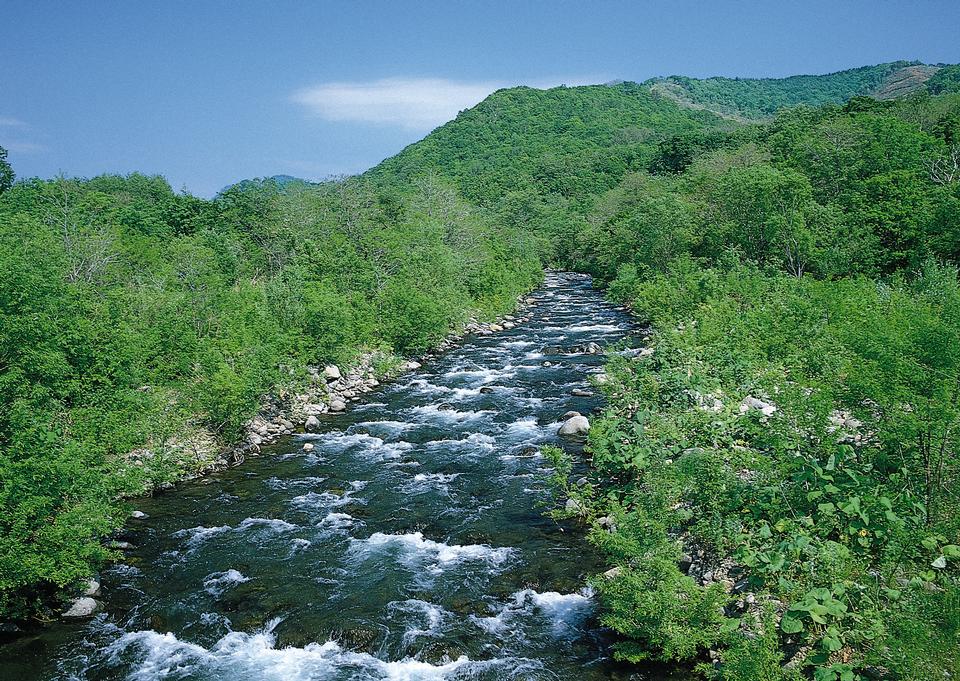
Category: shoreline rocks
[575,424]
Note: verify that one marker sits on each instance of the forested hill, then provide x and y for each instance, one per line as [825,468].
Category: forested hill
[753,98]
[566,141]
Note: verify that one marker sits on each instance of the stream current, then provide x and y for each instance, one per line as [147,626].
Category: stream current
[410,543]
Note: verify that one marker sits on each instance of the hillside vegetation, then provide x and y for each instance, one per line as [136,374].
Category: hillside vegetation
[759,98]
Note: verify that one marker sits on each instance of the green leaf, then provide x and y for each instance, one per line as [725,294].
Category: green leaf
[790,625]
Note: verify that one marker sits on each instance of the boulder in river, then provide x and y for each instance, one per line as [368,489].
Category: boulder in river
[338,405]
[92,588]
[575,425]
[139,515]
[580,392]
[308,447]
[486,390]
[312,424]
[82,607]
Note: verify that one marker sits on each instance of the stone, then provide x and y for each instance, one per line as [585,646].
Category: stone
[312,424]
[495,327]
[411,365]
[331,372]
[287,425]
[612,573]
[338,405]
[580,392]
[750,402]
[254,439]
[570,415]
[573,506]
[308,447]
[82,607]
[575,425]
[592,349]
[486,390]
[139,515]
[92,588]
[121,545]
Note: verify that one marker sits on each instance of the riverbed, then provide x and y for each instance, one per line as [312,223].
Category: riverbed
[410,542]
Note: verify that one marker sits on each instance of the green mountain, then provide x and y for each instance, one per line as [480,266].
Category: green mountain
[569,141]
[754,98]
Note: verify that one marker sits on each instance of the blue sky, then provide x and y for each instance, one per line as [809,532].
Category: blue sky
[209,92]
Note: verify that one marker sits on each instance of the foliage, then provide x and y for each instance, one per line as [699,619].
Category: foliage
[133,318]
[6,172]
[763,97]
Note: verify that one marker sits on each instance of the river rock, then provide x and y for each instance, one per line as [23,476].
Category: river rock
[308,447]
[92,588]
[82,607]
[486,390]
[254,439]
[573,506]
[592,349]
[580,392]
[575,425]
[411,365]
[750,402]
[338,405]
[312,424]
[612,573]
[139,515]
[331,372]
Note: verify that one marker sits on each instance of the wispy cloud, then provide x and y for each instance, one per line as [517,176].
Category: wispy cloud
[413,103]
[8,122]
[12,131]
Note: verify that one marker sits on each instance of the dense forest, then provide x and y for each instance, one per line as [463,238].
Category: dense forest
[137,320]
[774,479]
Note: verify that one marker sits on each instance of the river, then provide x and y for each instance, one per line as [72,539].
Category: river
[410,543]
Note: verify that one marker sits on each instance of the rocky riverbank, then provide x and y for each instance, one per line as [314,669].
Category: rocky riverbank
[330,390]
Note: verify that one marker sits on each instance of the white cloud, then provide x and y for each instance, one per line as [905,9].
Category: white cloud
[8,122]
[413,103]
[12,132]
[21,147]
[416,103]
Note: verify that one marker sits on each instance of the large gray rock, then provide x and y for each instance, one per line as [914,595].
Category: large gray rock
[92,588]
[312,424]
[338,405]
[331,372]
[575,425]
[82,607]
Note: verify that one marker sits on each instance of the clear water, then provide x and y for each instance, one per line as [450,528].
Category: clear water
[410,544]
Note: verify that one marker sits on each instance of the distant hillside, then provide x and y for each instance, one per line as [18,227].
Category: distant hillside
[566,141]
[757,98]
[282,182]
